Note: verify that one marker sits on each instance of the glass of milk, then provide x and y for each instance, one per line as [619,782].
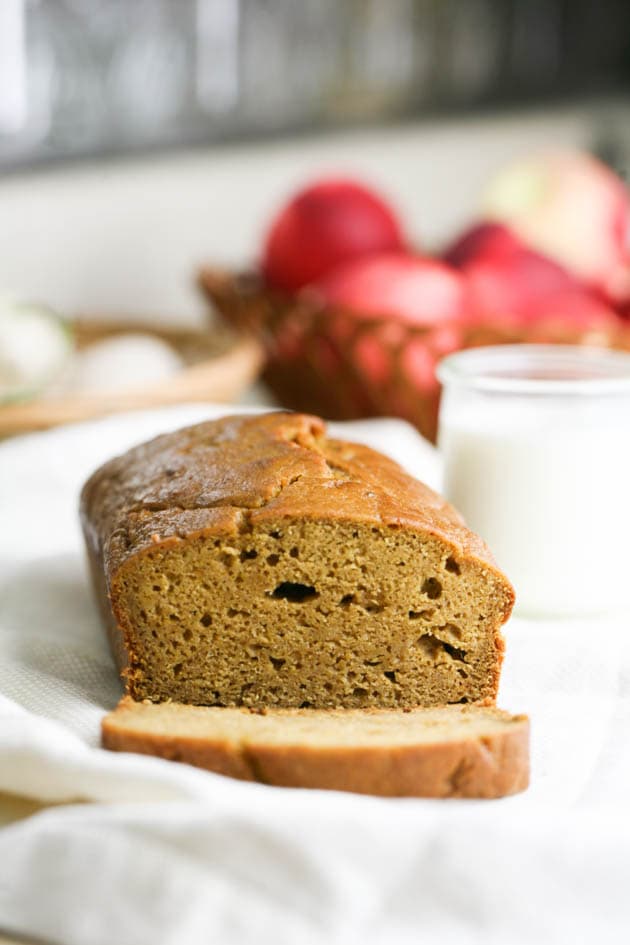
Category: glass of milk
[536,448]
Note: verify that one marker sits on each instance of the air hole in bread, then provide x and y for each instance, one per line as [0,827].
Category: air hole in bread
[273,560]
[295,552]
[454,652]
[205,620]
[296,593]
[373,608]
[248,554]
[420,614]
[432,588]
[390,675]
[452,566]
[277,663]
[432,646]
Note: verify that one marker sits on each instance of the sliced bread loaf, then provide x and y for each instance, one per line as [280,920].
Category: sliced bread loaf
[453,751]
[254,561]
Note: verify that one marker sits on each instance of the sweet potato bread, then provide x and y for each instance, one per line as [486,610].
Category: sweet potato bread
[254,561]
[454,751]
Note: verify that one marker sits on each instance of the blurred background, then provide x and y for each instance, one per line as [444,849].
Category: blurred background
[140,139]
[85,78]
[401,91]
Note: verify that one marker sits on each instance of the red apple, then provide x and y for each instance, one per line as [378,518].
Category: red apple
[571,208]
[485,240]
[393,317]
[324,225]
[514,285]
[505,277]
[414,290]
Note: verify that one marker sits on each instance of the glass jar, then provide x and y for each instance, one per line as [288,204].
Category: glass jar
[536,448]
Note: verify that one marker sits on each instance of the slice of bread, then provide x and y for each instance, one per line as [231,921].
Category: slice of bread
[453,751]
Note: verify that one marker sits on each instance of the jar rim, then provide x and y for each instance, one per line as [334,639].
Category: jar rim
[574,370]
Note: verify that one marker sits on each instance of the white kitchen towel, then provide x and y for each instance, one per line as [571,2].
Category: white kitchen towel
[168,854]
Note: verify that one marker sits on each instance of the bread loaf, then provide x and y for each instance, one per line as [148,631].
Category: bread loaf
[455,751]
[253,561]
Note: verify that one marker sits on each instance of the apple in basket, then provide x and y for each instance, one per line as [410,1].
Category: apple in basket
[573,209]
[516,286]
[325,224]
[354,320]
[409,309]
[340,247]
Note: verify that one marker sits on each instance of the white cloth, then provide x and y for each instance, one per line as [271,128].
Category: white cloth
[169,855]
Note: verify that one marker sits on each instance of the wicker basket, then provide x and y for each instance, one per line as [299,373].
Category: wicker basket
[326,361]
[219,366]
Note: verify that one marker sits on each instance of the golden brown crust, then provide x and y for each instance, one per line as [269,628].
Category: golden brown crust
[493,768]
[482,765]
[223,475]
[213,755]
[210,476]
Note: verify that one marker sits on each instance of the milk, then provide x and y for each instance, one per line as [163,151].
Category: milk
[545,480]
